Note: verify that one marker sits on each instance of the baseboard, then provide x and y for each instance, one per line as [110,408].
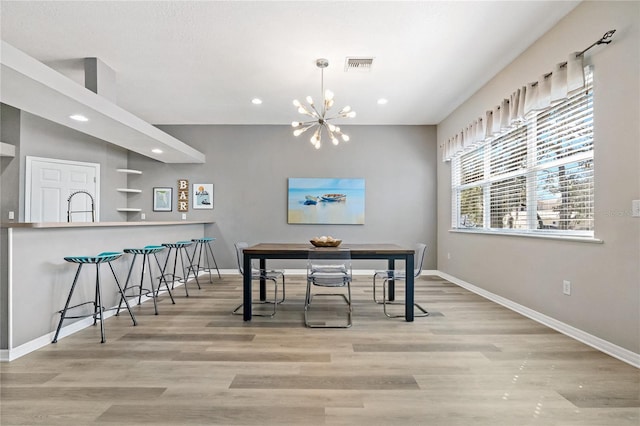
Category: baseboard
[602,345]
[609,348]
[7,355]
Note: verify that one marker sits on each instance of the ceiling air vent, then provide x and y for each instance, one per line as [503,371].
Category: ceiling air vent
[358,64]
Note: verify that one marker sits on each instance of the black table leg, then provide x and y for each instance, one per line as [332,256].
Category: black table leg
[246,288]
[263,285]
[409,286]
[392,285]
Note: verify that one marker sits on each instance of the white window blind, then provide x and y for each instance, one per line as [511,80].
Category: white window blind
[537,177]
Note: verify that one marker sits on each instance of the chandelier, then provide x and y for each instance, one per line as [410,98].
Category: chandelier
[320,120]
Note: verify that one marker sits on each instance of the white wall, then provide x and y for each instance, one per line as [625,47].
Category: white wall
[605,298]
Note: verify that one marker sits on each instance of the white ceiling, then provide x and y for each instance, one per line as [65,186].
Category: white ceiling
[201,62]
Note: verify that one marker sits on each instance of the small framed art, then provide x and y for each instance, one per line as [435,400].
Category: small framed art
[202,195]
[162,199]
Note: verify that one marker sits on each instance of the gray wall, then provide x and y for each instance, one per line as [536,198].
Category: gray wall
[605,299]
[43,138]
[10,166]
[249,167]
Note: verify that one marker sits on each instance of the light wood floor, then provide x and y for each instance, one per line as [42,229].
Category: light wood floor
[471,362]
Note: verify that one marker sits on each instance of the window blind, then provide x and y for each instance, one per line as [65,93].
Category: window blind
[536,177]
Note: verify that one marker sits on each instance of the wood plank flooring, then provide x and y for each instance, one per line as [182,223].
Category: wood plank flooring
[471,362]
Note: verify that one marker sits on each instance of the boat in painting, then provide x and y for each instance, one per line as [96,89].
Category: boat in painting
[310,200]
[334,197]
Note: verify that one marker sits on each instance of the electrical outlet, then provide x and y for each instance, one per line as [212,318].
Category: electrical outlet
[184,216]
[635,208]
[449,256]
[11,216]
[566,287]
[143,216]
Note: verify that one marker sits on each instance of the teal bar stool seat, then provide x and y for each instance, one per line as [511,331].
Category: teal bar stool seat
[147,252]
[98,307]
[179,249]
[204,244]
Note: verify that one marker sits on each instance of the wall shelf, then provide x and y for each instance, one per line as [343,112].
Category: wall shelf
[7,150]
[129,171]
[129,190]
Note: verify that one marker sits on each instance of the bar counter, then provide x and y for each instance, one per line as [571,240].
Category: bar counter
[35,279]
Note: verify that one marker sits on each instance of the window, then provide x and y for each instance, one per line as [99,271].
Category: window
[535,178]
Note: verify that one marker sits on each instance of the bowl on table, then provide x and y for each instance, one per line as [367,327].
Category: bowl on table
[322,242]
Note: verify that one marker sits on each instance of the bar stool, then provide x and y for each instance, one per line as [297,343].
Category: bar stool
[98,308]
[205,243]
[146,253]
[180,249]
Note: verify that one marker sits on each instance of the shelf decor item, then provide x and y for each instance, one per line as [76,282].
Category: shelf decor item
[183,195]
[203,196]
[162,199]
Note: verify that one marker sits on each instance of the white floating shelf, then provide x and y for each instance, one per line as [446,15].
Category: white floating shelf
[122,209]
[130,171]
[128,190]
[7,150]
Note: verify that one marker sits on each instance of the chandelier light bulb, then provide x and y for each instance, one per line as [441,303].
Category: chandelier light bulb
[320,118]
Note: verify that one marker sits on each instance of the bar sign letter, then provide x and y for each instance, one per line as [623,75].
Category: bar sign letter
[183,195]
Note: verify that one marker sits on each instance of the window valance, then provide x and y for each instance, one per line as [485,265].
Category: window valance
[550,89]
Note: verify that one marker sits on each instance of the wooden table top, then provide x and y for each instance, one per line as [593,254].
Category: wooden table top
[300,248]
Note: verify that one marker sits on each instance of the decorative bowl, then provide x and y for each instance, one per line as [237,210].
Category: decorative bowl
[328,243]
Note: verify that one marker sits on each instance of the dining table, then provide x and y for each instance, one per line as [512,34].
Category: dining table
[368,251]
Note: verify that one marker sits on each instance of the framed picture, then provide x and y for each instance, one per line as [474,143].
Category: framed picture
[162,199]
[202,195]
[326,201]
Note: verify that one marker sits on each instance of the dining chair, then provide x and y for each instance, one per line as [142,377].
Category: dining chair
[400,275]
[272,275]
[329,268]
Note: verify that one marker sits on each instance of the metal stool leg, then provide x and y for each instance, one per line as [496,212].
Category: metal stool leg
[163,278]
[100,308]
[122,297]
[214,260]
[66,305]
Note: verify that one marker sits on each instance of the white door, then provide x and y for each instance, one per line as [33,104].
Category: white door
[49,183]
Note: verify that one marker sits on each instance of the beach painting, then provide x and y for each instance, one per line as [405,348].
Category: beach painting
[336,201]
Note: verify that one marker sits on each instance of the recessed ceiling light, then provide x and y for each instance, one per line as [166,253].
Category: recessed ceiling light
[256,101]
[156,151]
[382,101]
[78,117]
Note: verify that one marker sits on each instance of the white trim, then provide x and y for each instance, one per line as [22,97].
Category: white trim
[27,182]
[9,287]
[609,348]
[530,234]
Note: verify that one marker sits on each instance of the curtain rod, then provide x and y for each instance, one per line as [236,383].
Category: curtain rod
[603,40]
